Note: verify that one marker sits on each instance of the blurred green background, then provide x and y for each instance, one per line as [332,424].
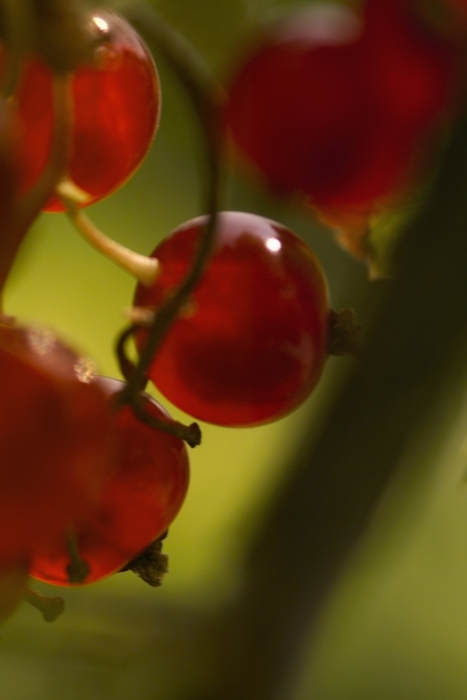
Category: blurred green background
[396,627]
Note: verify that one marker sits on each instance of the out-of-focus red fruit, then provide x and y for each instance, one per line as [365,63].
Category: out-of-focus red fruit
[252,344]
[55,444]
[115,112]
[137,504]
[414,69]
[336,106]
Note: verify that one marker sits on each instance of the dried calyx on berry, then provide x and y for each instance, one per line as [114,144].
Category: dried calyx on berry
[151,565]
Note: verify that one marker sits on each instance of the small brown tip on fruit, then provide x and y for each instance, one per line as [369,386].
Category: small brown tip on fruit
[151,565]
[50,607]
[78,569]
[344,331]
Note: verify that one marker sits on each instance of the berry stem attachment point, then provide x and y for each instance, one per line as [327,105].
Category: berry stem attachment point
[151,565]
[191,434]
[145,269]
[50,607]
[127,367]
[78,569]
[344,331]
[186,62]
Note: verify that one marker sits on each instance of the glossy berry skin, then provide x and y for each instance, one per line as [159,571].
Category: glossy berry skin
[336,106]
[115,112]
[251,344]
[55,447]
[137,503]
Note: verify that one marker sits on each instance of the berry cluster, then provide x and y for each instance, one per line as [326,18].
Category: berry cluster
[231,315]
[111,463]
[86,485]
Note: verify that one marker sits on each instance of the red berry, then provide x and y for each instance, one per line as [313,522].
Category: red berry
[136,505]
[413,72]
[252,345]
[332,105]
[116,107]
[54,439]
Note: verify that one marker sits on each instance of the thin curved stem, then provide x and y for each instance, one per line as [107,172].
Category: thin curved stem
[144,268]
[189,66]
[205,95]
[191,434]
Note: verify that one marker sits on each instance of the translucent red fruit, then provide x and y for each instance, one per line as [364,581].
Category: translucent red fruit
[415,71]
[251,345]
[137,504]
[115,112]
[334,105]
[55,448]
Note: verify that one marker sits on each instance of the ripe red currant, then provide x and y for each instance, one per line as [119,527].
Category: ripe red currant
[335,106]
[253,342]
[55,438]
[116,107]
[137,503]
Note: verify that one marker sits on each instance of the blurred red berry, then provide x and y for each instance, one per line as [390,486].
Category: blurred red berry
[336,106]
